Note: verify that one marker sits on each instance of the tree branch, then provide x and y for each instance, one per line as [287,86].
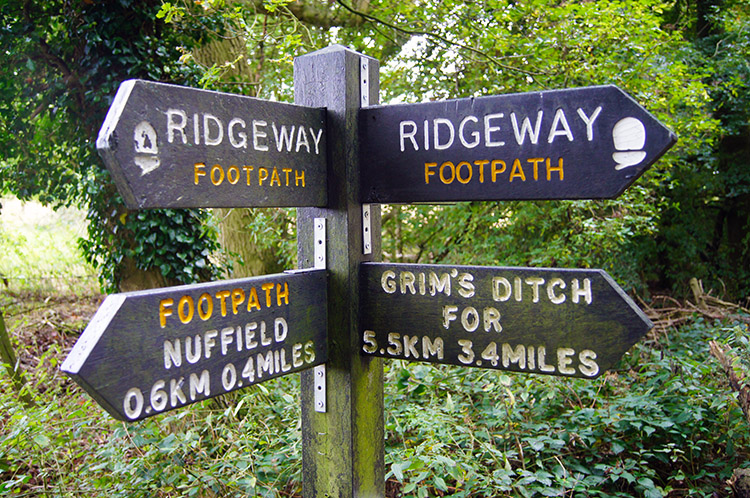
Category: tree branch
[723,354]
[441,38]
[312,13]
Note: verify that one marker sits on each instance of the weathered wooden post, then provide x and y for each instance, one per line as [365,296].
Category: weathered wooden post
[171,146]
[343,447]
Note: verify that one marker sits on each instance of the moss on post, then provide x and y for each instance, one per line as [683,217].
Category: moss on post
[343,448]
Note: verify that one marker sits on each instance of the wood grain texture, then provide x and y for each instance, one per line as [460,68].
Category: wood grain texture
[170,146]
[567,322]
[582,143]
[147,352]
[343,449]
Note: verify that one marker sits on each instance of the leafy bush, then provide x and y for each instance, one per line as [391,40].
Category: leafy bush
[663,424]
[69,59]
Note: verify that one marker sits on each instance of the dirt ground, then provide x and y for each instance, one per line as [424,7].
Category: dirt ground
[42,328]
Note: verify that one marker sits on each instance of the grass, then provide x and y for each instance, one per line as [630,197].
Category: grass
[38,249]
[663,424]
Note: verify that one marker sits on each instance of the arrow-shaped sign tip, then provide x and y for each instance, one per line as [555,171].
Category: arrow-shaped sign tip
[91,335]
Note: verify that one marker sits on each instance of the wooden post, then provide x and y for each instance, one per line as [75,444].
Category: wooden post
[342,448]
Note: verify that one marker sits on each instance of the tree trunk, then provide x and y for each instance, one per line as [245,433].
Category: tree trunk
[248,258]
[250,253]
[132,278]
[8,358]
[230,54]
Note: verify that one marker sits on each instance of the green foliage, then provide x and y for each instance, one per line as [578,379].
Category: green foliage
[738,338]
[652,429]
[663,424]
[177,243]
[59,449]
[469,49]
[706,214]
[170,13]
[688,216]
[241,444]
[68,60]
[38,248]
[274,232]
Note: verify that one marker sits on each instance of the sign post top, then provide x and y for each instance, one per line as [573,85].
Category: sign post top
[581,143]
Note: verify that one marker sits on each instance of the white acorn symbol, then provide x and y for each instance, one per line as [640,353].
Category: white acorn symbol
[629,136]
[146,148]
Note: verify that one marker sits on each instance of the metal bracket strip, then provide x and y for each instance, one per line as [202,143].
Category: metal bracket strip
[366,230]
[319,372]
[364,85]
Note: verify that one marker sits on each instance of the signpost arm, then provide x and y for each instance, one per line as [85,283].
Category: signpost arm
[343,448]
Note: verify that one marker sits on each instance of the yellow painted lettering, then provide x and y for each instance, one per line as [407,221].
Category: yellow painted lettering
[262,176]
[495,170]
[452,167]
[299,178]
[248,170]
[558,168]
[238,297]
[198,171]
[427,172]
[467,178]
[217,169]
[275,175]
[252,300]
[222,296]
[205,314]
[481,163]
[185,315]
[535,161]
[165,310]
[233,174]
[268,286]
[282,294]
[517,171]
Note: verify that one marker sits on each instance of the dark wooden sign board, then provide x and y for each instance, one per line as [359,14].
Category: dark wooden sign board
[169,146]
[343,449]
[575,323]
[582,143]
[151,351]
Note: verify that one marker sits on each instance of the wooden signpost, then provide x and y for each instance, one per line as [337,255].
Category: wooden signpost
[575,323]
[152,351]
[343,448]
[582,143]
[169,146]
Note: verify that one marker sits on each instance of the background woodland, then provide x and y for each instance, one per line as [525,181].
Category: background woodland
[664,424]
